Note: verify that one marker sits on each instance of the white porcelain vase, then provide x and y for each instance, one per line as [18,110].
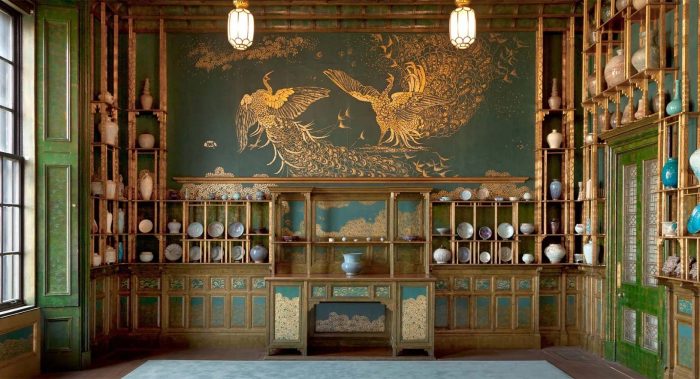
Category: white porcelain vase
[554,252]
[146,141]
[109,218]
[146,98]
[145,184]
[554,139]
[121,220]
[111,190]
[639,60]
[588,252]
[174,227]
[694,161]
[639,4]
[110,132]
[621,4]
[615,69]
[96,260]
[110,255]
[591,85]
[442,255]
[554,100]
[528,258]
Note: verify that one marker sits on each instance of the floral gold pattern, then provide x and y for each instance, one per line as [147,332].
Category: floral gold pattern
[149,283]
[382,292]
[483,284]
[177,284]
[351,291]
[524,284]
[259,283]
[462,284]
[414,318]
[318,292]
[503,284]
[238,283]
[549,283]
[197,283]
[219,190]
[342,323]
[287,314]
[218,283]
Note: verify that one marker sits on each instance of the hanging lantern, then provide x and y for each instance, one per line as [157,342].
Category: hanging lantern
[241,26]
[462,25]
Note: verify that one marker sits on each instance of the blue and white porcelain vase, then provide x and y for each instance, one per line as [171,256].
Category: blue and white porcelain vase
[674,106]
[258,254]
[352,263]
[555,189]
[695,163]
[669,173]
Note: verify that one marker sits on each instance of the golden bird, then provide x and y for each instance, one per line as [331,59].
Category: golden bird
[399,115]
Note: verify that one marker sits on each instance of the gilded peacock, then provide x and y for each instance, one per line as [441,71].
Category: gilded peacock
[300,151]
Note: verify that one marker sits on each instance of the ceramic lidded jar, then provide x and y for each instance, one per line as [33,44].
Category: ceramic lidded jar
[258,254]
[145,184]
[146,140]
[615,69]
[554,100]
[554,139]
[442,255]
[174,227]
[669,173]
[639,60]
[554,252]
[555,189]
[110,131]
[352,263]
[528,258]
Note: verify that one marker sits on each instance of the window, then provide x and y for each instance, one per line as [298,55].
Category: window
[11,162]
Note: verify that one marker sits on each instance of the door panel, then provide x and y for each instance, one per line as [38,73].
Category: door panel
[639,300]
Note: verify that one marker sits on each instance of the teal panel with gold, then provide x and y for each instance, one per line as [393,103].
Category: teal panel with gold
[441,312]
[549,283]
[685,306]
[549,311]
[176,312]
[287,316]
[414,313]
[149,283]
[483,312]
[524,312]
[483,284]
[503,284]
[123,321]
[16,343]
[524,284]
[352,218]
[504,312]
[570,310]
[442,285]
[218,309]
[177,284]
[259,284]
[196,283]
[382,292]
[462,284]
[332,131]
[148,311]
[238,311]
[99,316]
[238,283]
[350,317]
[218,283]
[196,312]
[350,291]
[571,283]
[318,292]
[259,311]
[685,351]
[461,312]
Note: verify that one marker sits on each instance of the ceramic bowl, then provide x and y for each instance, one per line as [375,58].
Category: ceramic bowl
[527,196]
[506,254]
[579,228]
[513,198]
[485,232]
[236,229]
[145,226]
[146,256]
[445,198]
[238,253]
[215,229]
[528,258]
[483,193]
[498,198]
[578,258]
[195,230]
[443,230]
[216,253]
[527,228]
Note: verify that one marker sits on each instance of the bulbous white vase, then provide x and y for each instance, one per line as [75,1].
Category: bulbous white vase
[554,252]
[145,184]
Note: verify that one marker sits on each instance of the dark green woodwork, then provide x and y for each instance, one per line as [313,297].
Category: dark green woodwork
[59,290]
[643,299]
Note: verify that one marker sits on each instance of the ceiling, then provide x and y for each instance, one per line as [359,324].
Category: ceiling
[343,15]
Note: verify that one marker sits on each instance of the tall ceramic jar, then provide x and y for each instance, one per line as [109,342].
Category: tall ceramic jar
[146,98]
[145,184]
[669,173]
[110,131]
[554,139]
[639,59]
[555,189]
[615,69]
[554,100]
[121,220]
[588,252]
[674,106]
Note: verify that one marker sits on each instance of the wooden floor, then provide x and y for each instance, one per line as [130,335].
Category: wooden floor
[575,362]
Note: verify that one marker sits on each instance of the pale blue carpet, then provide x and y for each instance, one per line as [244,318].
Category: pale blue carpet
[172,369]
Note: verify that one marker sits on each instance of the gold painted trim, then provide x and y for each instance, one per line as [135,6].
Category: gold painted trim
[330,180]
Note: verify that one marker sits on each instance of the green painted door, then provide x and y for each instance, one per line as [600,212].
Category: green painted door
[639,314]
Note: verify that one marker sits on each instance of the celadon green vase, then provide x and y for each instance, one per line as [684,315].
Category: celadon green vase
[674,106]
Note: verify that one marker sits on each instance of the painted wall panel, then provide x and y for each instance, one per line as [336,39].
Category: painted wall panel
[57,64]
[58,245]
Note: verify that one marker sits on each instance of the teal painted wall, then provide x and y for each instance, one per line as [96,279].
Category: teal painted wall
[476,111]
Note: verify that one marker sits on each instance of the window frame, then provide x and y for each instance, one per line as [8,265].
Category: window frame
[16,155]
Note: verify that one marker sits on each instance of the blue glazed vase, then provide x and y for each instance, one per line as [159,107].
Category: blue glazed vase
[258,253]
[694,162]
[674,106]
[352,263]
[669,173]
[555,189]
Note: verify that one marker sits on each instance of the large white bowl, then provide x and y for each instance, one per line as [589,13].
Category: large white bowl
[146,256]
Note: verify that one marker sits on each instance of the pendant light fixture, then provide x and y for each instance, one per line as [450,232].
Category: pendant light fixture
[241,25]
[462,25]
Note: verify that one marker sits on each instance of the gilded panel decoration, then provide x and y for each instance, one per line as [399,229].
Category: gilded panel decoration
[650,332]
[651,196]
[442,285]
[218,283]
[524,284]
[685,348]
[549,283]
[483,312]
[502,284]
[629,256]
[629,325]
[124,283]
[571,283]
[350,291]
[197,283]
[216,316]
[287,313]
[177,284]
[370,105]
[382,292]
[238,283]
[685,306]
[16,343]
[350,317]
[414,313]
[259,283]
[503,312]
[318,292]
[462,284]
[483,284]
[524,312]
[149,283]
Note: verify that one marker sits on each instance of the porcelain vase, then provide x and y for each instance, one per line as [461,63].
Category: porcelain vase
[639,59]
[615,69]
[674,106]
[658,103]
[111,190]
[580,191]
[554,252]
[96,260]
[694,162]
[352,263]
[146,140]
[627,114]
[621,4]
[554,100]
[554,139]
[588,252]
[146,98]
[258,254]
[109,220]
[642,109]
[110,255]
[528,258]
[555,189]
[554,226]
[591,85]
[639,4]
[121,218]
[145,184]
[120,252]
[174,227]
[110,132]
[669,173]
[442,255]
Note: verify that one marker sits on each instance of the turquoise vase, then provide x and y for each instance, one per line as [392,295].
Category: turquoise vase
[669,173]
[352,263]
[674,106]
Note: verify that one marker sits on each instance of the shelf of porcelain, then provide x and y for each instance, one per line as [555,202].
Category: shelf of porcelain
[355,278]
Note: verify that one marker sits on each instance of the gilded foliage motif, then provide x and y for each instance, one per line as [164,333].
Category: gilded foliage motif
[287,315]
[343,324]
[414,318]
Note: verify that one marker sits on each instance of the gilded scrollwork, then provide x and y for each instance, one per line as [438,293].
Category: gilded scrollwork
[287,313]
[414,319]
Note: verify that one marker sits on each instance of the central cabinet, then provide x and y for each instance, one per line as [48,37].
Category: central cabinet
[351,264]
